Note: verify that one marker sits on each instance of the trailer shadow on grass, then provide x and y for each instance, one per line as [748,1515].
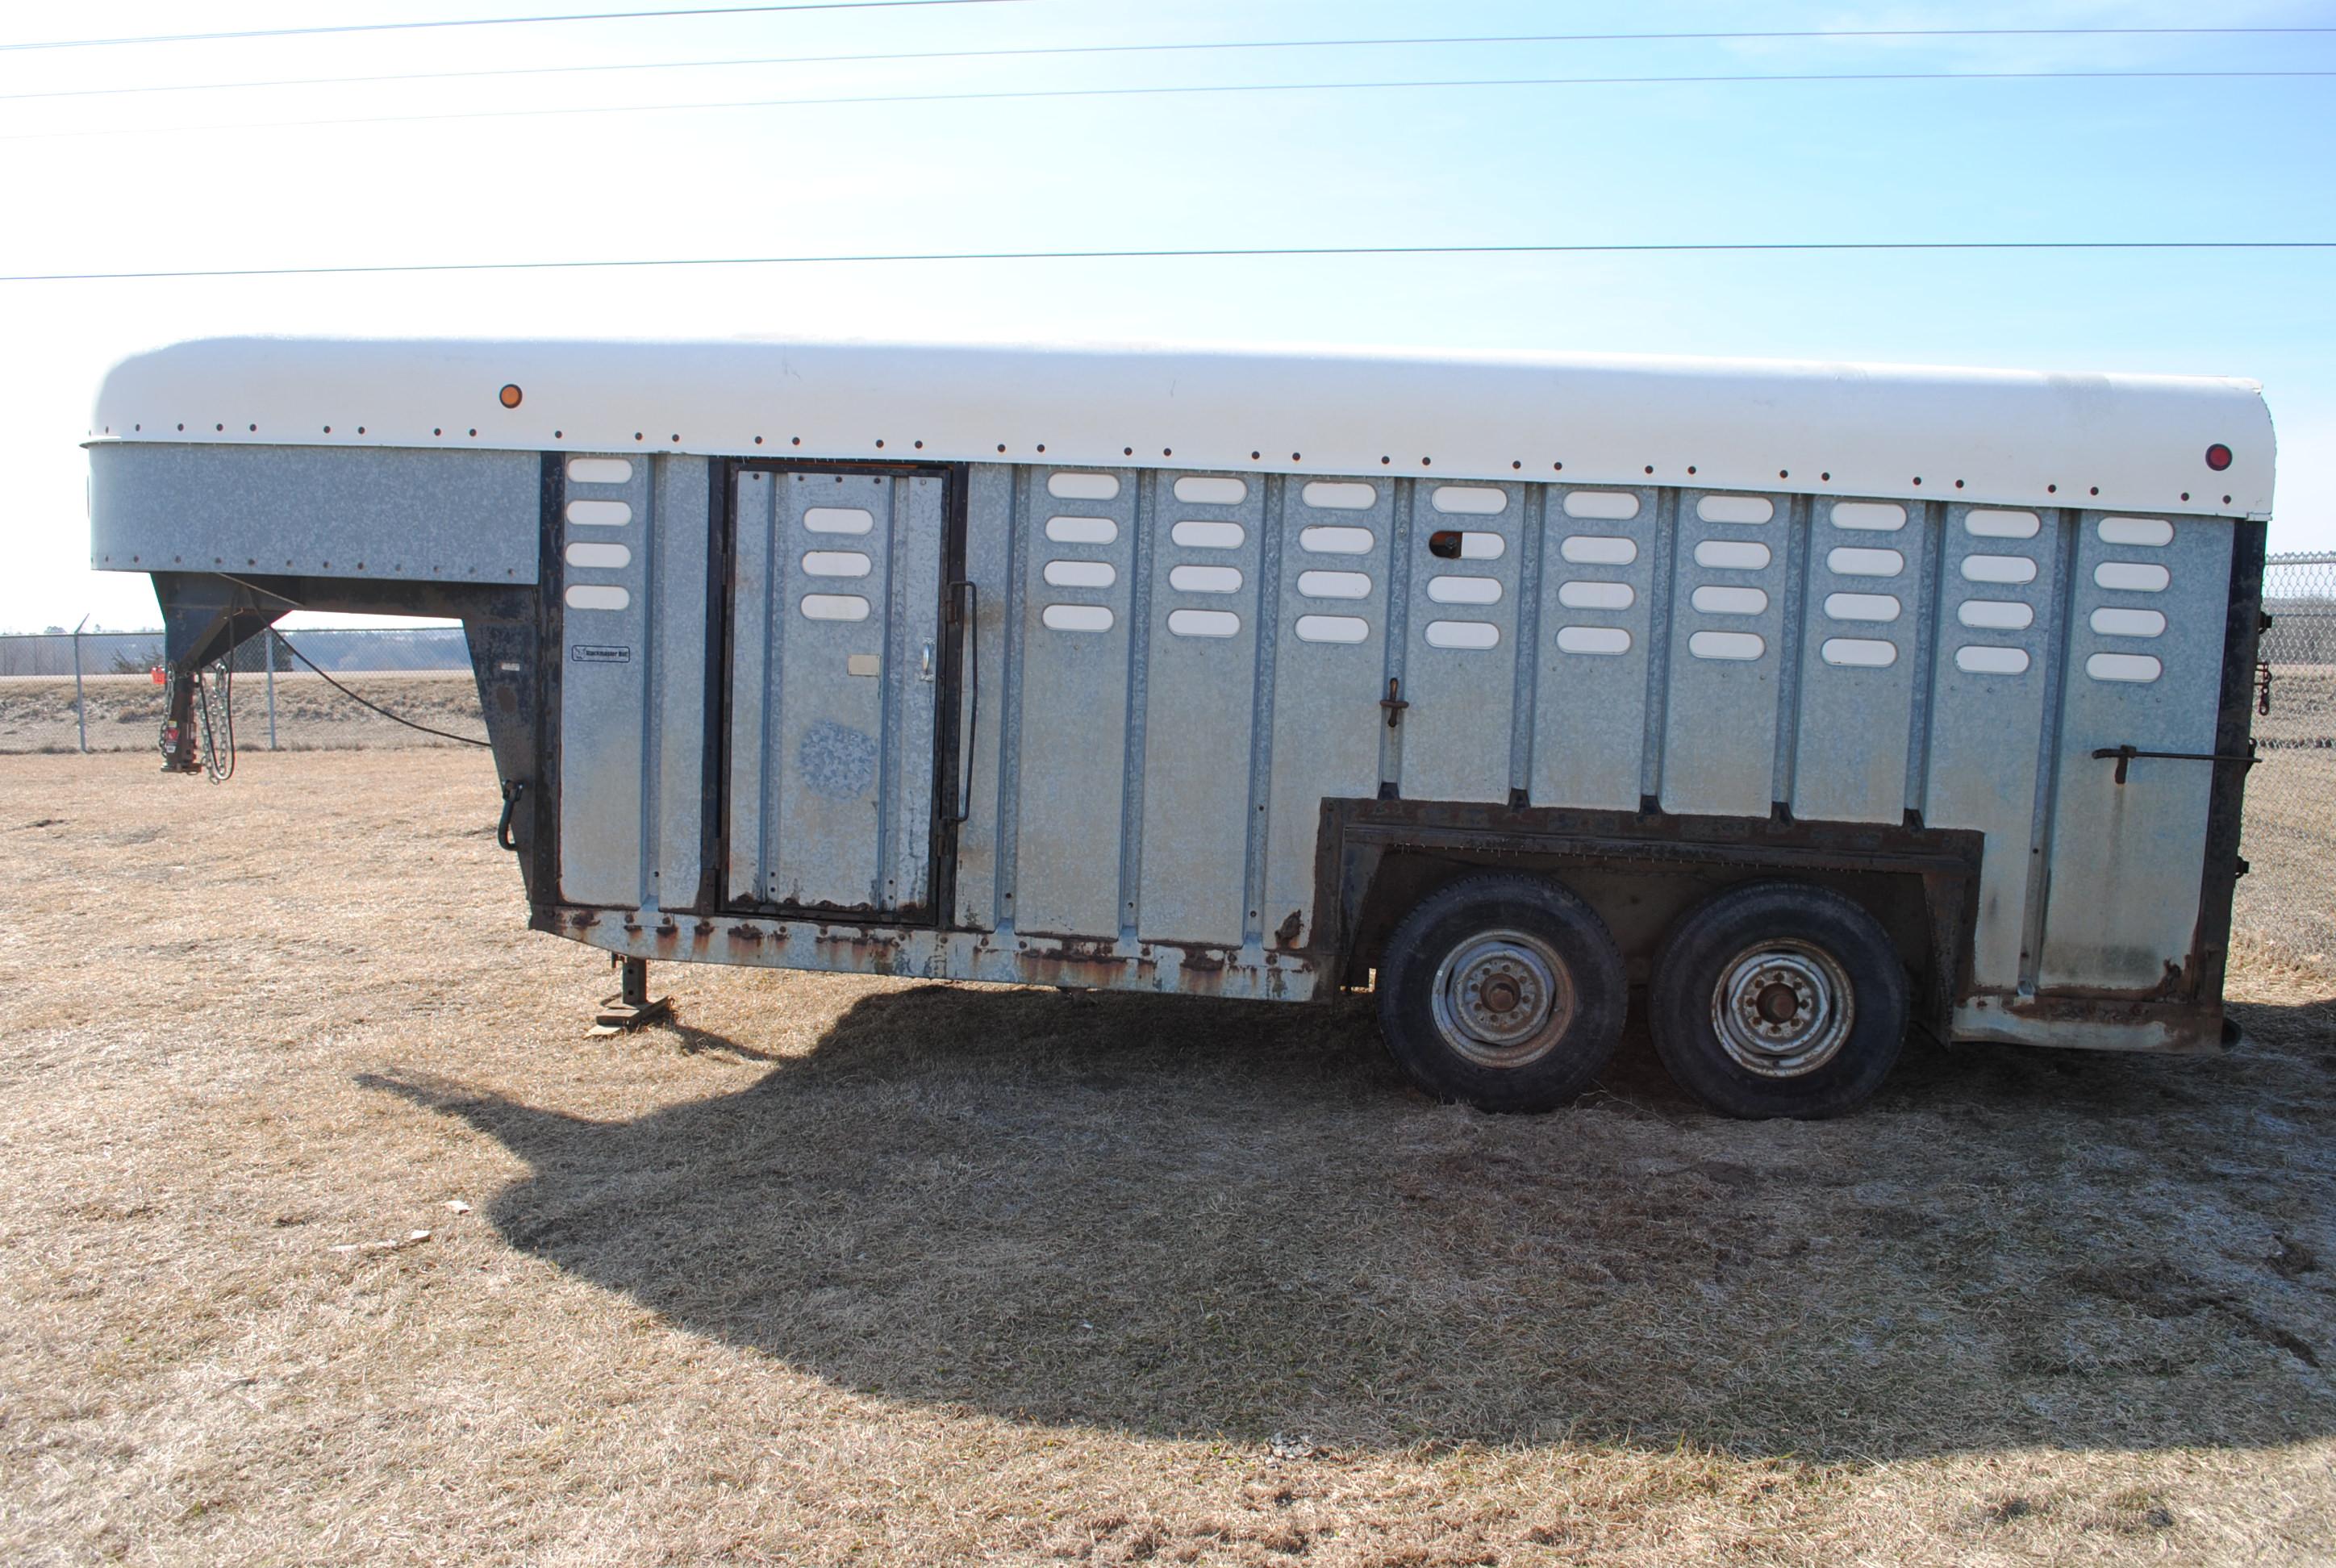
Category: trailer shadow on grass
[1191,1219]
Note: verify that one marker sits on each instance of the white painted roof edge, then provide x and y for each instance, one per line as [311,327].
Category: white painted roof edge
[2097,440]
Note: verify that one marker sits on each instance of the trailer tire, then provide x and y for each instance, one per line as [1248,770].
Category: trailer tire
[1505,992]
[1777,1000]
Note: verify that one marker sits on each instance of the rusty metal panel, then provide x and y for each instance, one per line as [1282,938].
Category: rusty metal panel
[1868,569]
[2144,668]
[1596,638]
[838,574]
[607,529]
[1727,657]
[1460,649]
[1206,535]
[1193,968]
[1988,711]
[1329,673]
[1076,541]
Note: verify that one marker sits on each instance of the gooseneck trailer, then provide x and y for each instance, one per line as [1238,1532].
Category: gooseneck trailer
[1816,703]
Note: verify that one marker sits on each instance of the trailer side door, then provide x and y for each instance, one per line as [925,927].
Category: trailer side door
[835,658]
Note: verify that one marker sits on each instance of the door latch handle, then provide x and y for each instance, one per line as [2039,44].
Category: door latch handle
[925,664]
[1394,702]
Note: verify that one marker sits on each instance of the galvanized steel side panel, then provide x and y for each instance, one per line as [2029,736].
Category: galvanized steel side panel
[1460,653]
[2144,670]
[388,513]
[1077,561]
[1174,683]
[756,578]
[608,530]
[1331,658]
[1199,659]
[1863,601]
[1728,583]
[1597,637]
[676,592]
[1988,712]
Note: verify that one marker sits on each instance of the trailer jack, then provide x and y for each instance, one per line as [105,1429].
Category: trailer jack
[632,1006]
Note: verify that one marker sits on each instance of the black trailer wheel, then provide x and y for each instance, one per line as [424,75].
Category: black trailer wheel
[1503,992]
[1776,999]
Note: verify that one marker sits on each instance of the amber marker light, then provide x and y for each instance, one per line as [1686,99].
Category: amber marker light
[511,395]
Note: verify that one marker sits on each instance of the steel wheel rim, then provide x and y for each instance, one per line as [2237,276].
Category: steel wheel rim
[1783,1008]
[1503,998]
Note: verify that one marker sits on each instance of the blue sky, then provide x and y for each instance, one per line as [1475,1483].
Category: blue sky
[129,182]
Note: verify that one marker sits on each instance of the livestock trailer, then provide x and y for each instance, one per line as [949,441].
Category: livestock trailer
[1816,702]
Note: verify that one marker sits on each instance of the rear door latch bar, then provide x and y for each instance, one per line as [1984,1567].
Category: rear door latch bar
[2126,754]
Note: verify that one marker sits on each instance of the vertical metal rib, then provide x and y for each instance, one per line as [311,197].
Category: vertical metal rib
[1399,627]
[1267,635]
[652,711]
[1139,682]
[1793,639]
[892,669]
[1528,651]
[1009,698]
[1659,584]
[774,595]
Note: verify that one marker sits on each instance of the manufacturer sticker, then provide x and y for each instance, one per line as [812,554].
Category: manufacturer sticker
[599,653]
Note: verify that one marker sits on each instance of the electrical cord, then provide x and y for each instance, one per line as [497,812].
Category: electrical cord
[219,758]
[286,644]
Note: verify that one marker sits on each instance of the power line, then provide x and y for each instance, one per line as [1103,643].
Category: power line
[1092,49]
[1033,94]
[1711,248]
[486,22]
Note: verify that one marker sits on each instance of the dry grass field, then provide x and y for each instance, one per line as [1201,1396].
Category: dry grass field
[842,1270]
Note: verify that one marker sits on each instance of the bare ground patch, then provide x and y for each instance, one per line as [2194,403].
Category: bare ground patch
[876,1269]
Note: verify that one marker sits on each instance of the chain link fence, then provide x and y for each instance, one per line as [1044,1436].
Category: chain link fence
[96,691]
[2289,839]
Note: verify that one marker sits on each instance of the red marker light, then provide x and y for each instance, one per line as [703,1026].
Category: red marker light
[2218,457]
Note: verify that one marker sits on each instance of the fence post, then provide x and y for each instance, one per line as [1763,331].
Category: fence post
[271,688]
[81,701]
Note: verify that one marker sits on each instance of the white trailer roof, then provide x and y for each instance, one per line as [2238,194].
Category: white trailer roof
[1922,433]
